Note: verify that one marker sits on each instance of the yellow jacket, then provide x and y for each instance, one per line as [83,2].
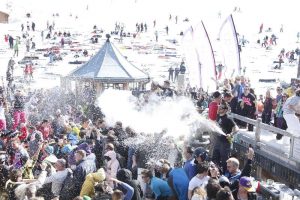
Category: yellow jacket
[90,181]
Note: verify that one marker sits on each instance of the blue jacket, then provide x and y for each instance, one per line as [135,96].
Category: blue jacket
[179,182]
[129,191]
[160,188]
[190,168]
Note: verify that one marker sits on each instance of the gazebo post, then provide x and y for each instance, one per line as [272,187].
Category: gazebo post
[125,86]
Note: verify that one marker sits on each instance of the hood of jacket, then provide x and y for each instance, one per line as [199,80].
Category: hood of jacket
[124,175]
[111,154]
[96,176]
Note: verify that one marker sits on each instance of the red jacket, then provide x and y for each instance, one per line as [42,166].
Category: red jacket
[23,133]
[45,130]
[213,110]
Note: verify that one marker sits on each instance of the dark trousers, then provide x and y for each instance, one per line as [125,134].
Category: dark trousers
[250,115]
[266,118]
[170,76]
[221,153]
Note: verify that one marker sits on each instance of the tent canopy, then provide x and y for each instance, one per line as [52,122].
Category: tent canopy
[109,65]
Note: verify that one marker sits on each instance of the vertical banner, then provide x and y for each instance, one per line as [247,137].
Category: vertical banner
[191,58]
[229,48]
[206,58]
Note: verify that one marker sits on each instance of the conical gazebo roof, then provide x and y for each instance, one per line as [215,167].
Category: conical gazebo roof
[110,66]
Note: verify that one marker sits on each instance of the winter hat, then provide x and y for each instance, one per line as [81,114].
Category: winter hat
[73,139]
[86,197]
[37,136]
[99,175]
[67,149]
[124,175]
[84,146]
[247,183]
[49,149]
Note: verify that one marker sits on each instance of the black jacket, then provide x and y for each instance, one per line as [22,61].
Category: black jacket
[125,176]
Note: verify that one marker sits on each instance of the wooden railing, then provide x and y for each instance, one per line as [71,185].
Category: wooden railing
[259,126]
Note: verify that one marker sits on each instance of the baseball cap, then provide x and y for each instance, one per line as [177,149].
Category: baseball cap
[49,149]
[247,183]
[200,152]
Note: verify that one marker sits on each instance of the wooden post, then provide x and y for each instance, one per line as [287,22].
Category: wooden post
[291,153]
[257,131]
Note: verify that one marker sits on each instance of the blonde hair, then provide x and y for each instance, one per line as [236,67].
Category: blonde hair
[234,161]
[199,194]
[117,195]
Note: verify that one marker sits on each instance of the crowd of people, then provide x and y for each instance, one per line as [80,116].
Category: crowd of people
[55,145]
[241,99]
[74,154]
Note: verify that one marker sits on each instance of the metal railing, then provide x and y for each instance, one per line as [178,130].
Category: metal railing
[259,126]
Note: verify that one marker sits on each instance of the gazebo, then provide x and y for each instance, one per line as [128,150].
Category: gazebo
[107,69]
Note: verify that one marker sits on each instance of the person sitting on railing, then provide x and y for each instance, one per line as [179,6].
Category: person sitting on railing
[234,173]
[290,108]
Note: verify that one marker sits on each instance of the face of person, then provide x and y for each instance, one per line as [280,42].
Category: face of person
[242,191]
[15,145]
[78,157]
[284,98]
[227,99]
[58,166]
[199,159]
[85,124]
[145,179]
[221,110]
[102,125]
[231,168]
[278,90]
[247,90]
[214,170]
[219,99]
[186,154]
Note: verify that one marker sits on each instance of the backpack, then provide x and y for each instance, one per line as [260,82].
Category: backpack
[68,187]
